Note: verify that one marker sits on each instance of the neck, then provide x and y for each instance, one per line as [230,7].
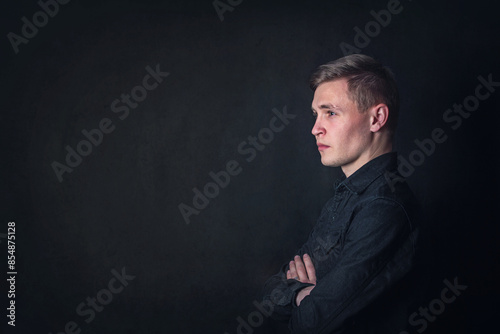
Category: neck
[370,154]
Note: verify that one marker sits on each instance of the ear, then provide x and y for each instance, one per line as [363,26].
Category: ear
[378,116]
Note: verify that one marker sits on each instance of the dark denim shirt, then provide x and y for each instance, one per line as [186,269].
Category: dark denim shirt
[362,246]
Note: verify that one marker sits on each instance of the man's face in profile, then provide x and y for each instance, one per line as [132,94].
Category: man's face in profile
[342,132]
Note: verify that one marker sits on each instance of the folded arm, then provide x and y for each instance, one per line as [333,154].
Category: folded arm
[378,252]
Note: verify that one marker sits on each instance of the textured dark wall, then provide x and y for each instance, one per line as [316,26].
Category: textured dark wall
[118,208]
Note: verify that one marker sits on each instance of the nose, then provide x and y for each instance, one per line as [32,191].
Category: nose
[318,128]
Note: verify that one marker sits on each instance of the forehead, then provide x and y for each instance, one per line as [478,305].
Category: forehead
[333,93]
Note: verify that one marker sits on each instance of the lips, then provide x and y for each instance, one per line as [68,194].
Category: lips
[322,147]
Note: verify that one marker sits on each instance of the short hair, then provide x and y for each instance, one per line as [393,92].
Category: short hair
[368,82]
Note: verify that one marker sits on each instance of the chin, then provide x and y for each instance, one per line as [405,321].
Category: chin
[329,163]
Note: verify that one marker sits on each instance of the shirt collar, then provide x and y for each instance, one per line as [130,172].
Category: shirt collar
[367,173]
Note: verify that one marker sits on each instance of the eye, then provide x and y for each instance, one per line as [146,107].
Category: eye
[315,114]
[332,113]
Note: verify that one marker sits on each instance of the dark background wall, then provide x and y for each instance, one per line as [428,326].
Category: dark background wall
[119,207]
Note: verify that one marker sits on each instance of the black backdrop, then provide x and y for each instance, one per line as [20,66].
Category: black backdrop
[118,210]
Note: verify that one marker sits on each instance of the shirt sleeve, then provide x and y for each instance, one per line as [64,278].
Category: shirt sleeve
[378,251]
[280,293]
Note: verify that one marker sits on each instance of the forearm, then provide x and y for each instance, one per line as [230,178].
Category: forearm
[281,293]
[373,261]
[328,309]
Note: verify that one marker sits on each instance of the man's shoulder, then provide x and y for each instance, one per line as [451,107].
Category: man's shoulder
[388,189]
[388,204]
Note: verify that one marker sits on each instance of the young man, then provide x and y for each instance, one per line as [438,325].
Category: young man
[356,272]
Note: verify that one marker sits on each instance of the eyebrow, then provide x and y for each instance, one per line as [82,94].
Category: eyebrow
[326,106]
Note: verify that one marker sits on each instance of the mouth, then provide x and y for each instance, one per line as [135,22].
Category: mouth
[322,147]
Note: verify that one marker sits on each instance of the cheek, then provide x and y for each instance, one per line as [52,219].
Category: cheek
[353,136]
[359,126]
[337,130]
[344,130]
